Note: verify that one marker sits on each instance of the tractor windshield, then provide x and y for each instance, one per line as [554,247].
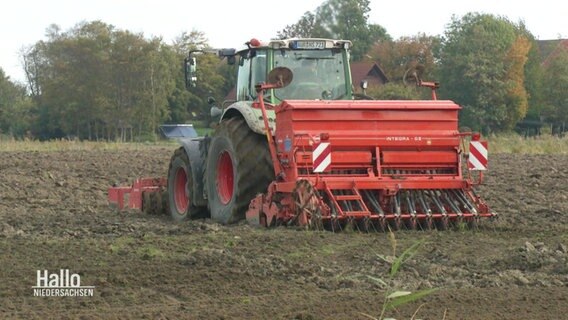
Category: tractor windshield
[318,74]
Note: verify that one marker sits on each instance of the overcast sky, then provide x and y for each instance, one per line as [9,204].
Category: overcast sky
[229,23]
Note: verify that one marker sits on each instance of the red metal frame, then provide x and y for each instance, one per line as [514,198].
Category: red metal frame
[116,195]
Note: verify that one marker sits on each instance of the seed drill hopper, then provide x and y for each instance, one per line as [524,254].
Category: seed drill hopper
[368,165]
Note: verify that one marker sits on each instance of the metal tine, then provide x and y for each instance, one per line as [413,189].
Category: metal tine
[451,202]
[340,224]
[336,225]
[471,205]
[355,223]
[366,224]
[334,208]
[377,225]
[460,200]
[341,203]
[397,204]
[348,224]
[421,199]
[373,201]
[412,202]
[413,220]
[406,200]
[397,222]
[366,197]
[359,203]
[347,204]
[384,225]
[372,223]
[457,202]
[466,200]
[434,196]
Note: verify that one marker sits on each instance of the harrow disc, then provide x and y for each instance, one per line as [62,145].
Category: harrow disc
[307,204]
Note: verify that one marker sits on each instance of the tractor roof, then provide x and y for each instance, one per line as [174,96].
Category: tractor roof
[297,44]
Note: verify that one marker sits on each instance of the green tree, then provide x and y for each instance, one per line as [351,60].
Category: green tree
[480,64]
[15,108]
[533,76]
[340,19]
[94,81]
[555,83]
[304,28]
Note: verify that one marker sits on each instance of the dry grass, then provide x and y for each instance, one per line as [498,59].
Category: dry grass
[511,143]
[544,144]
[73,145]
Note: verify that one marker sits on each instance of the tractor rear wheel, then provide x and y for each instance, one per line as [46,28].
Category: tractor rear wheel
[238,168]
[180,188]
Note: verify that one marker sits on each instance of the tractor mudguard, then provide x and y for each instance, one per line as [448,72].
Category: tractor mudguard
[253,116]
[196,149]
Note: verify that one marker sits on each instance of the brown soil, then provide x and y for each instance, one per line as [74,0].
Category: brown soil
[54,215]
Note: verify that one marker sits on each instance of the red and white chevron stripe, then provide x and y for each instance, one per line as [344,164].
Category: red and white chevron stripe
[321,156]
[477,155]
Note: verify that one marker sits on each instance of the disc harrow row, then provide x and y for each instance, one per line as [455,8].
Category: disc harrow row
[409,209]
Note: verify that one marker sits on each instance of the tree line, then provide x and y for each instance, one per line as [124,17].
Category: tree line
[95,81]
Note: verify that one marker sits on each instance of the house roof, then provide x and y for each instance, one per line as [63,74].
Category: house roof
[550,48]
[367,70]
[546,47]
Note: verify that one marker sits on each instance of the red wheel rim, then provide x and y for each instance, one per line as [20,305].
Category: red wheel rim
[225,177]
[180,193]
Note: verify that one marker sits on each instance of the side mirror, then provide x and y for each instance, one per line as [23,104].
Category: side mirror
[229,54]
[190,72]
[215,111]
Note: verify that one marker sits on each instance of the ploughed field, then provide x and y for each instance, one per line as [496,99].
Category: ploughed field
[54,215]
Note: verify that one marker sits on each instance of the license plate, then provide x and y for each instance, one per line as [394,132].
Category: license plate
[309,44]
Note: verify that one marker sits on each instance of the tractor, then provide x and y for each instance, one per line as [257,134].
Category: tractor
[300,147]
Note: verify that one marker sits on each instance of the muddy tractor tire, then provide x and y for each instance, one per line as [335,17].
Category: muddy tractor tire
[238,168]
[180,188]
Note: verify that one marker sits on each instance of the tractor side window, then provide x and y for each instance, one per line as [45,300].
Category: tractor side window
[252,70]
[258,70]
[243,87]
